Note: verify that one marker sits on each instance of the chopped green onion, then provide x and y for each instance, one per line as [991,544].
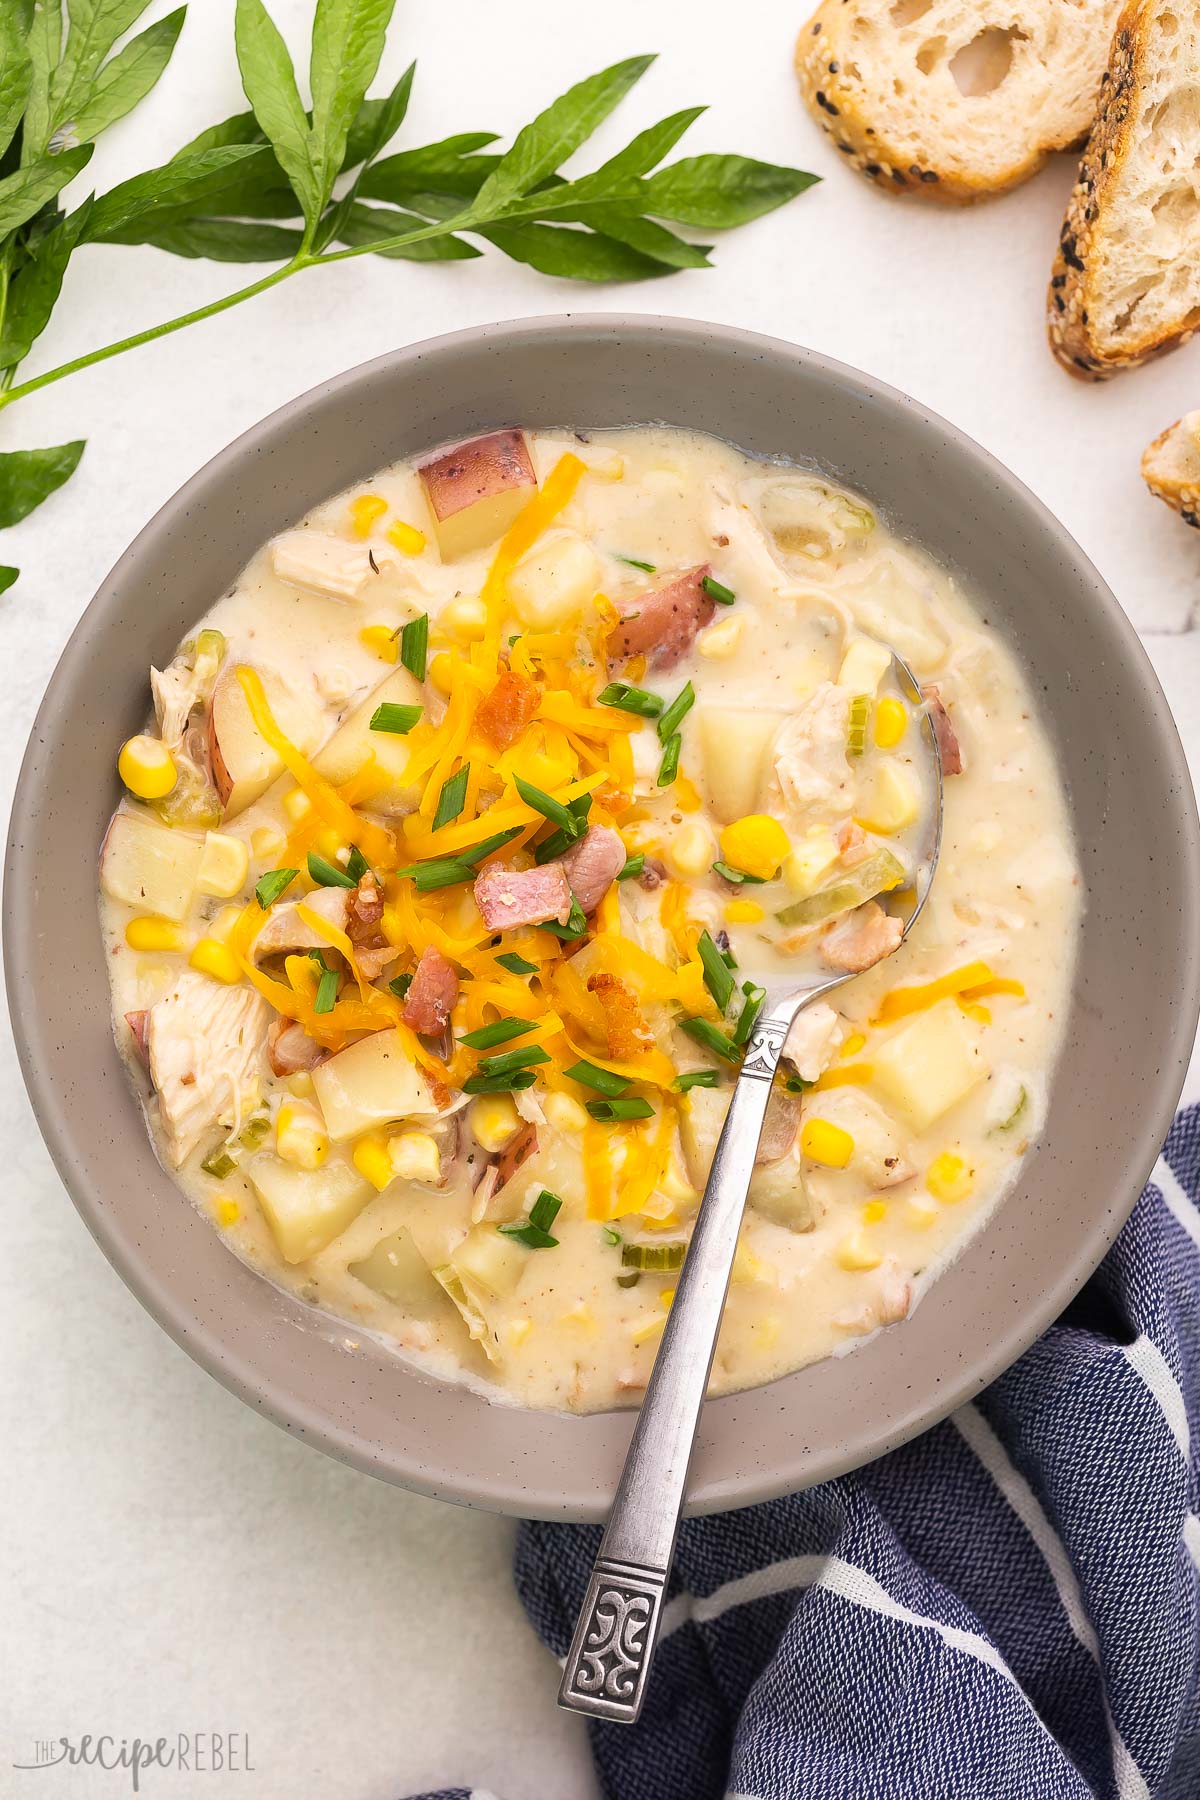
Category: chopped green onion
[452,798]
[327,991]
[668,768]
[317,956]
[1022,1101]
[414,646]
[255,1130]
[529,1235]
[551,809]
[400,985]
[729,958]
[627,698]
[560,841]
[748,1017]
[718,591]
[399,720]
[357,866]
[653,1256]
[696,1078]
[475,853]
[717,979]
[632,1108]
[603,1080]
[327,874]
[444,872]
[534,1232]
[609,1235]
[679,708]
[516,965]
[575,926]
[498,1084]
[856,731]
[218,1163]
[796,1084]
[701,1032]
[272,885]
[737,876]
[545,1210]
[628,1280]
[509,1061]
[635,562]
[633,867]
[497,1033]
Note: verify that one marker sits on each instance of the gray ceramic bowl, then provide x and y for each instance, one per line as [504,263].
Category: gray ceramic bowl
[1135,1000]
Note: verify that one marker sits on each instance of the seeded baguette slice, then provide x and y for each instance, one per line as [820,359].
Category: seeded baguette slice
[956,98]
[1171,467]
[1126,281]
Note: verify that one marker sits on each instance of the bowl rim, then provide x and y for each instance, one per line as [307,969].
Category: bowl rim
[232,1367]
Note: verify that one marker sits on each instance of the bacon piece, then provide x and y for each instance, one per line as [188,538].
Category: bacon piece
[510,897]
[290,1049]
[653,874]
[663,625]
[137,1023]
[863,938]
[853,844]
[948,745]
[517,1151]
[625,1028]
[591,865]
[504,714]
[364,910]
[430,1000]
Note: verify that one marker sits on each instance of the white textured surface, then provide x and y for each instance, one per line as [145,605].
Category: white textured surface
[173,1562]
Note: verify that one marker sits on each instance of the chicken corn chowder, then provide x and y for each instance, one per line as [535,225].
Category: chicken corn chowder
[447,876]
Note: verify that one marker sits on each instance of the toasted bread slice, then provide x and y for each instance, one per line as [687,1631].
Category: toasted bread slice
[1171,467]
[1126,281]
[956,98]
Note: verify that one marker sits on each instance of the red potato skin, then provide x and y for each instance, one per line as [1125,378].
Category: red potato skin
[430,1000]
[662,626]
[290,1049]
[507,898]
[222,779]
[517,1151]
[138,1023]
[475,471]
[948,745]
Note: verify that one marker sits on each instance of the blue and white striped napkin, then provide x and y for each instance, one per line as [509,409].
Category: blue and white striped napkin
[1007,1608]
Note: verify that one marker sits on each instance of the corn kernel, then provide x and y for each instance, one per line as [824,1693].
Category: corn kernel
[300,1084]
[146,768]
[296,804]
[854,1252]
[211,957]
[920,1212]
[563,1112]
[224,865]
[649,1328]
[824,1142]
[494,1121]
[371,1159]
[465,617]
[440,672]
[406,537]
[722,639]
[743,912]
[948,1177]
[580,1314]
[690,851]
[873,1211]
[519,1330]
[300,1136]
[365,510]
[749,1269]
[853,1044]
[758,844]
[665,1297]
[148,933]
[267,843]
[416,1157]
[891,722]
[808,864]
[381,640]
[227,1211]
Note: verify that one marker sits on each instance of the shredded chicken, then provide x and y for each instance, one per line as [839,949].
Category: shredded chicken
[205,1042]
[811,769]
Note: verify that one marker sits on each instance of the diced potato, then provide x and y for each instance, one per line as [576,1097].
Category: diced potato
[891,802]
[733,743]
[354,742]
[307,1208]
[776,1189]
[150,866]
[490,1259]
[809,863]
[864,665]
[556,1164]
[243,764]
[880,1153]
[397,1270]
[555,581]
[467,1304]
[931,1063]
[370,1084]
[476,490]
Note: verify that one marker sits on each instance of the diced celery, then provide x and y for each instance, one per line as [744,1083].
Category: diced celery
[218,1163]
[653,1256]
[878,874]
[856,731]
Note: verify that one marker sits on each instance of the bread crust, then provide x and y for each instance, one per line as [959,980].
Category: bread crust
[1180,495]
[1072,289]
[837,105]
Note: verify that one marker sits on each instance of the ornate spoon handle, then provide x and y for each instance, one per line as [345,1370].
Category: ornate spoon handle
[614,1639]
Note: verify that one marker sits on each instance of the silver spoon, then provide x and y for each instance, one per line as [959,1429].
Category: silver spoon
[609,1659]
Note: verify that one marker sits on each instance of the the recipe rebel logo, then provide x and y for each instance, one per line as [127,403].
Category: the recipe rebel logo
[183,1753]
